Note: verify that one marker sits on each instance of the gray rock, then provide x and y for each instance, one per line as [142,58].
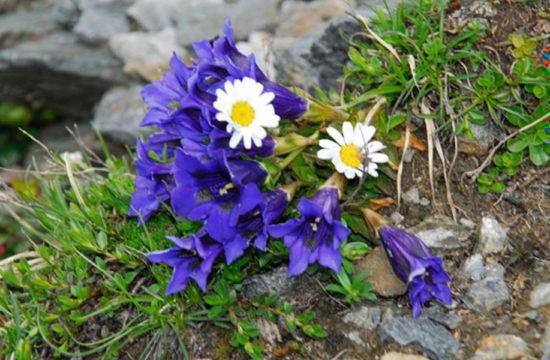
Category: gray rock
[540,296]
[67,12]
[441,233]
[501,347]
[429,337]
[119,113]
[98,23]
[317,57]
[275,282]
[364,317]
[492,236]
[298,17]
[205,19]
[545,343]
[473,267]
[355,336]
[60,72]
[438,314]
[146,54]
[14,27]
[490,292]
[156,15]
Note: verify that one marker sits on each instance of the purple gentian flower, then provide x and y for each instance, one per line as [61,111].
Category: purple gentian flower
[253,227]
[191,258]
[154,180]
[412,262]
[317,235]
[165,96]
[217,191]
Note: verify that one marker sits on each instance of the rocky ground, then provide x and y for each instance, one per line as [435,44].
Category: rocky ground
[90,58]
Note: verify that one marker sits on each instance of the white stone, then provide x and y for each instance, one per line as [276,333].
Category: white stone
[473,267]
[492,236]
[540,295]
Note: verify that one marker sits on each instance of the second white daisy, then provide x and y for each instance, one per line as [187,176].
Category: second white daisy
[247,109]
[352,151]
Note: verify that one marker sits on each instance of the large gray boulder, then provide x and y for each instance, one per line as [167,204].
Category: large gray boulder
[59,71]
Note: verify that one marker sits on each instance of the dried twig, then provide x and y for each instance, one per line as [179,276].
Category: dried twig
[379,39]
[401,164]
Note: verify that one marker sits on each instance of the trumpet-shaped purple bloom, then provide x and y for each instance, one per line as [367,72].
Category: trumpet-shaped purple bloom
[154,180]
[317,235]
[412,262]
[217,192]
[191,258]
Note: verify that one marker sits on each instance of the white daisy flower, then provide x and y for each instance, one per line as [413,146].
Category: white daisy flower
[247,109]
[351,148]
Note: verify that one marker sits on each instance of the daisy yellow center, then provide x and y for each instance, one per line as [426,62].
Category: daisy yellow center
[242,113]
[350,156]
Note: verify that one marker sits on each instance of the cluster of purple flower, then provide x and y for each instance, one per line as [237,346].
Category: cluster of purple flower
[194,163]
[209,119]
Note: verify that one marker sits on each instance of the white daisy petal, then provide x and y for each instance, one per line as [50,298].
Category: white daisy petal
[347,130]
[368,132]
[335,134]
[350,173]
[328,144]
[358,135]
[247,140]
[235,140]
[324,154]
[375,146]
[379,158]
[257,141]
[371,169]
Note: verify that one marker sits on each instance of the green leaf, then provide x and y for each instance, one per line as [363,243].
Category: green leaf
[355,250]
[314,331]
[537,155]
[519,143]
[498,187]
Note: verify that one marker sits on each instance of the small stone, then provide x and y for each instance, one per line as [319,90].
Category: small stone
[501,347]
[119,113]
[540,296]
[412,196]
[355,336]
[473,267]
[492,236]
[146,54]
[401,356]
[396,217]
[275,282]
[441,233]
[364,317]
[204,19]
[490,292]
[429,337]
[299,18]
[98,23]
[381,274]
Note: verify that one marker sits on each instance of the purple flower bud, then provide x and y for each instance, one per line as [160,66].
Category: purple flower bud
[412,262]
